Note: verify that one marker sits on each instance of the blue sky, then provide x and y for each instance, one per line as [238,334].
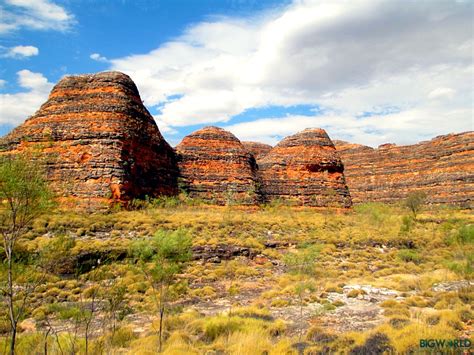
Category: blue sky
[368,71]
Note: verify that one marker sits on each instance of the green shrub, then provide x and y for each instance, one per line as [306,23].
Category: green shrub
[409,255]
[463,266]
[466,234]
[407,224]
[414,202]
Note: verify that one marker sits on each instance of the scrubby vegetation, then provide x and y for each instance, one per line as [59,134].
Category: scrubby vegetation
[274,279]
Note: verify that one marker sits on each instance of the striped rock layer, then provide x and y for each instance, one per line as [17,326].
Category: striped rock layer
[258,150]
[98,140]
[306,169]
[215,166]
[443,168]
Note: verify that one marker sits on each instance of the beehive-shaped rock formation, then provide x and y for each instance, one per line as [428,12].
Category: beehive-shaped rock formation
[98,140]
[306,169]
[258,150]
[215,166]
[443,168]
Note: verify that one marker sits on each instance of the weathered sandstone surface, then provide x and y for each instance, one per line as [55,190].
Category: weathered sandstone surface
[258,150]
[443,168]
[306,169]
[215,166]
[98,140]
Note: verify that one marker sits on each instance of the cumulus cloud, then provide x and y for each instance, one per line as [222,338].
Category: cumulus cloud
[19,52]
[15,108]
[33,14]
[380,70]
[97,57]
[400,127]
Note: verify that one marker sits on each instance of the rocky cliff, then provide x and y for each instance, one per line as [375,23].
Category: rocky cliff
[98,140]
[258,150]
[215,166]
[443,168]
[306,169]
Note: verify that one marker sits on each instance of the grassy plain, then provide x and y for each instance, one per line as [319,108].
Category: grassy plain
[372,277]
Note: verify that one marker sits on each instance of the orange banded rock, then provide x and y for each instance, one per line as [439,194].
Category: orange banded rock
[443,168]
[306,169]
[98,140]
[258,150]
[215,166]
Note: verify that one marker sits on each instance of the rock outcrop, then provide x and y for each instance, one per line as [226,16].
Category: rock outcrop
[99,143]
[306,169]
[215,166]
[98,140]
[258,150]
[443,168]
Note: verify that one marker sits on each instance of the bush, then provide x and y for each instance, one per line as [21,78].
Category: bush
[168,244]
[375,344]
[466,234]
[377,213]
[414,202]
[122,337]
[205,292]
[463,266]
[407,224]
[166,202]
[56,256]
[409,255]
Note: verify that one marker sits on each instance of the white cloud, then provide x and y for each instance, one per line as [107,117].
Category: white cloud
[401,127]
[15,108]
[381,70]
[34,81]
[97,57]
[19,52]
[421,113]
[165,128]
[440,93]
[33,14]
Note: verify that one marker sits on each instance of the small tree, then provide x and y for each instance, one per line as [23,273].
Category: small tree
[114,295]
[302,264]
[161,260]
[414,202]
[24,196]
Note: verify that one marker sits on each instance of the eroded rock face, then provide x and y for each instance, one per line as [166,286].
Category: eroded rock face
[215,166]
[258,150]
[443,168]
[306,169]
[98,140]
